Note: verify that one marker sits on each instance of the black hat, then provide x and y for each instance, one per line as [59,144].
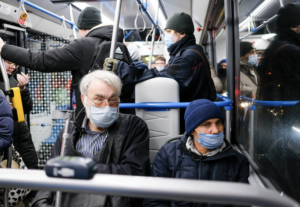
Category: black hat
[246,47]
[288,16]
[181,22]
[89,18]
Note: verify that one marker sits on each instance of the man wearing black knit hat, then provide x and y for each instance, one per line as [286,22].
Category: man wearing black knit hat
[188,64]
[75,57]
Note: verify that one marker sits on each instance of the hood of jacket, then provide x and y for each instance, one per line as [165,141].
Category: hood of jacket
[288,35]
[182,44]
[104,31]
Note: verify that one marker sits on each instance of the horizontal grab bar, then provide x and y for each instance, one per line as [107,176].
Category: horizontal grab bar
[270,103]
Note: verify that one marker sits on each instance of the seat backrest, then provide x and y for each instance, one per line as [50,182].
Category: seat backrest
[163,124]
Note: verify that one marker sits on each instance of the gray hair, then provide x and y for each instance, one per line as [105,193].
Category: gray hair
[107,77]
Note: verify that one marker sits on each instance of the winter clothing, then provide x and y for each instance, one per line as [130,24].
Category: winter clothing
[217,82]
[134,51]
[6,124]
[245,47]
[223,61]
[185,66]
[288,16]
[21,137]
[89,18]
[129,156]
[174,160]
[140,64]
[75,57]
[248,79]
[181,22]
[199,111]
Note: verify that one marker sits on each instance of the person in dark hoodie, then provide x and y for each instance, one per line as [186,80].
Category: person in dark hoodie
[22,139]
[203,153]
[75,57]
[188,64]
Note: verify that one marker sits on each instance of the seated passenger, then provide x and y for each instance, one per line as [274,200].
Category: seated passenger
[222,73]
[136,57]
[6,124]
[202,153]
[98,130]
[248,76]
[188,64]
[22,139]
[160,62]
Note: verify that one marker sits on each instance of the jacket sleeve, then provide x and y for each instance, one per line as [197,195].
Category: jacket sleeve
[6,124]
[135,154]
[159,169]
[217,82]
[26,101]
[67,58]
[131,75]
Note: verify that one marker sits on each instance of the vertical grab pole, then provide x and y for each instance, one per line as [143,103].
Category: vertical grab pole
[228,123]
[251,131]
[115,30]
[153,35]
[73,25]
[69,117]
[9,156]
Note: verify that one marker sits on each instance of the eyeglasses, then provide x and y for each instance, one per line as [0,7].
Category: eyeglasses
[11,64]
[102,103]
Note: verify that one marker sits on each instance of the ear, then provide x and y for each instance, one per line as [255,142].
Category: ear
[82,98]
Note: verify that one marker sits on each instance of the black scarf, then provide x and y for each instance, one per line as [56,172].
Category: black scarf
[181,44]
[288,35]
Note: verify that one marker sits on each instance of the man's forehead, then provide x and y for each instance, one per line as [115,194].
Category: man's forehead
[100,88]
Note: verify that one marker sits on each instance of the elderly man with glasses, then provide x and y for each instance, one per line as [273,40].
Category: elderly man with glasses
[119,143]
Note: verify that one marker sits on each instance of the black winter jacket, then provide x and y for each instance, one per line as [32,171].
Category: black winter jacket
[174,160]
[129,156]
[21,137]
[6,124]
[75,57]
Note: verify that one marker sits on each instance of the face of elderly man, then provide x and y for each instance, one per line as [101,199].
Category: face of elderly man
[101,104]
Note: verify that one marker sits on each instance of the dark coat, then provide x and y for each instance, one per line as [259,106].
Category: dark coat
[140,64]
[174,160]
[6,124]
[185,66]
[22,139]
[75,57]
[130,156]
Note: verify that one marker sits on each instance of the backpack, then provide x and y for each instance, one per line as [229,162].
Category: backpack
[102,51]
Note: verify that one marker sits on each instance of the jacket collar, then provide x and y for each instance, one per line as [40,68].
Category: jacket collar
[182,44]
[288,35]
[227,151]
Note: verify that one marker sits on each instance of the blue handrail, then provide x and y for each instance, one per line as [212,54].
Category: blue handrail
[149,16]
[163,105]
[48,12]
[269,103]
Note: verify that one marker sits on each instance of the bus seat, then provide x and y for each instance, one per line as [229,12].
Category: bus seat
[163,124]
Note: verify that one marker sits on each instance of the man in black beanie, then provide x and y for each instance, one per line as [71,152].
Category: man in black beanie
[75,57]
[188,64]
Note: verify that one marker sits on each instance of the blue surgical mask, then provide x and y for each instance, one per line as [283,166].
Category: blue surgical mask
[252,59]
[210,141]
[169,40]
[104,116]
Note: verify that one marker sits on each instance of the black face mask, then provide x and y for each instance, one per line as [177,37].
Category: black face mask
[222,72]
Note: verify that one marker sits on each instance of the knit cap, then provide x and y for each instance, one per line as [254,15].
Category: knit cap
[181,22]
[245,47]
[288,16]
[199,111]
[89,18]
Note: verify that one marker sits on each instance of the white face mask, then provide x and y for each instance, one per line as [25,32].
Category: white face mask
[252,59]
[160,68]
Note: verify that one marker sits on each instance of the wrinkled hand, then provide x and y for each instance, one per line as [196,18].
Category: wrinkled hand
[1,44]
[110,64]
[23,80]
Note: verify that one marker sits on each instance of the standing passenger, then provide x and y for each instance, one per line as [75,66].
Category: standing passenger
[188,64]
[75,57]
[203,153]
